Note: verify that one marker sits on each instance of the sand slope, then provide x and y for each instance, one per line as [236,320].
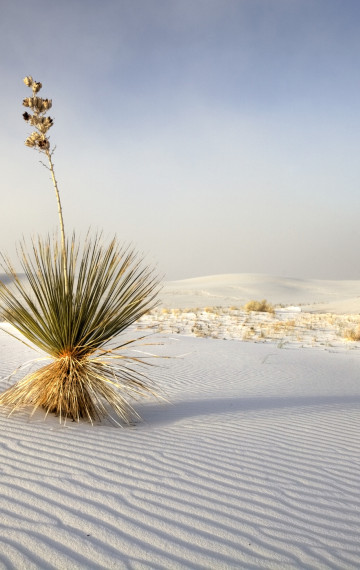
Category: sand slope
[255,464]
[237,289]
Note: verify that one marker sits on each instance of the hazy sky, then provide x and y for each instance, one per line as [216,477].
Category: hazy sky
[217,136]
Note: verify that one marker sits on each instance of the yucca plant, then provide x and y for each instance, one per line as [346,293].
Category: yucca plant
[73,303]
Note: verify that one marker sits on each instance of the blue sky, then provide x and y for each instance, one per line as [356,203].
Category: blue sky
[217,136]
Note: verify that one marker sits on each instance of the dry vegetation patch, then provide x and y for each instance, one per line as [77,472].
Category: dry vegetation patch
[259,306]
[279,325]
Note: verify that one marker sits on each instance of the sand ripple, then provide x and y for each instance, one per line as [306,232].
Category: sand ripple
[254,464]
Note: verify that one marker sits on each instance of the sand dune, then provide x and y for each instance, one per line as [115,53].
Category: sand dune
[237,289]
[253,463]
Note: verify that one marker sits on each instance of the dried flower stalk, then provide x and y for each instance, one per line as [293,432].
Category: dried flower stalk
[40,141]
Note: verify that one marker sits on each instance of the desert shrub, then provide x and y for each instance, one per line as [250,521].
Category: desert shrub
[283,325]
[259,306]
[75,301]
[352,334]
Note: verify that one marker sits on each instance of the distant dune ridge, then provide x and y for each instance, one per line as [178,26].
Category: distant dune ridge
[236,289]
[329,296]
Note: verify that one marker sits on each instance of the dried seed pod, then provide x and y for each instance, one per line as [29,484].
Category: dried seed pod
[48,122]
[36,86]
[36,121]
[47,104]
[39,104]
[43,144]
[35,136]
[43,123]
[28,81]
[29,142]
[26,101]
[26,116]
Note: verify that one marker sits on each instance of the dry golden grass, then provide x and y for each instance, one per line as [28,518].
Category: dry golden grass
[259,306]
[283,325]
[74,389]
[352,334]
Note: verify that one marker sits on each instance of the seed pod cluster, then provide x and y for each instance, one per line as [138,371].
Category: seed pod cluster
[43,124]
[28,81]
[36,86]
[39,106]
[37,140]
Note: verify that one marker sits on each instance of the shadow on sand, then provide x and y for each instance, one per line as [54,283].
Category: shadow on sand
[169,413]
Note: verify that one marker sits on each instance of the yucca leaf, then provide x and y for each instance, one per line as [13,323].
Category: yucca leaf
[73,317]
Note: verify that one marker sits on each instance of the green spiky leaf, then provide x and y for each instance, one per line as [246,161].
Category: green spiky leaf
[75,319]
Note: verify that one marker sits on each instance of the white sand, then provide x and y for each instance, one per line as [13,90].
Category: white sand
[254,464]
[238,289]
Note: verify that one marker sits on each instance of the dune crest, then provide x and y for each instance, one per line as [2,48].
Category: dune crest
[327,296]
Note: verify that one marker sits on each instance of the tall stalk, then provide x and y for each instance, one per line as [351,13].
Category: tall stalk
[62,228]
[40,141]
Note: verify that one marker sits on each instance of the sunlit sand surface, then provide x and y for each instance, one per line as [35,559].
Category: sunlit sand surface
[253,462]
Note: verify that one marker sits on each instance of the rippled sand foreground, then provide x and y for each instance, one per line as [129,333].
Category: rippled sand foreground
[252,463]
